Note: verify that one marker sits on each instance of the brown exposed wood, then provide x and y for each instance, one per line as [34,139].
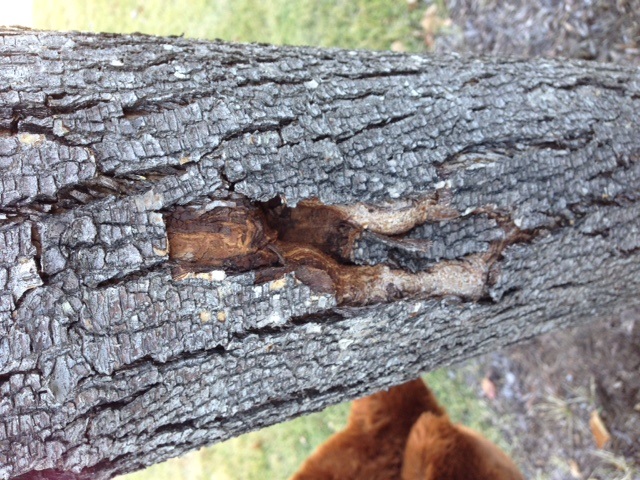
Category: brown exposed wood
[316,242]
[313,224]
[234,238]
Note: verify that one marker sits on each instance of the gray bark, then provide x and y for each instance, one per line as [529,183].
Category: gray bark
[110,361]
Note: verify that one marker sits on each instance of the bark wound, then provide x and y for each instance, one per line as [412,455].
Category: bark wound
[316,242]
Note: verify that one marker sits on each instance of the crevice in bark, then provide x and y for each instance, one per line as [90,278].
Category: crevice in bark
[64,103]
[275,125]
[482,152]
[375,75]
[13,126]
[316,242]
[26,128]
[98,188]
[588,81]
[620,87]
[372,126]
[145,106]
[301,397]
[5,377]
[178,427]
[268,330]
[231,186]
[477,79]
[141,366]
[118,404]
[324,318]
[629,252]
[36,241]
[116,281]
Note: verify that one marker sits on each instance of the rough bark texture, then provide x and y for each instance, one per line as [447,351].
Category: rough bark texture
[485,201]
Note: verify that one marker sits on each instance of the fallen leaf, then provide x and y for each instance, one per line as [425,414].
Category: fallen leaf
[432,23]
[398,46]
[430,20]
[489,388]
[575,469]
[257,445]
[599,430]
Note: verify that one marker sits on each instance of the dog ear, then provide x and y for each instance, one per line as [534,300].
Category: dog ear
[439,450]
[372,444]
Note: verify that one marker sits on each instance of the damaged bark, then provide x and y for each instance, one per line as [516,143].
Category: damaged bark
[199,239]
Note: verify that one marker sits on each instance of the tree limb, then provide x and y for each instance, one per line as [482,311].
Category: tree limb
[200,239]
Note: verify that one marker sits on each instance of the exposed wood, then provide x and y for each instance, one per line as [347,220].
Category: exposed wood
[199,239]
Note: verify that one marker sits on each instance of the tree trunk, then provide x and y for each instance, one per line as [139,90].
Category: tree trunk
[201,239]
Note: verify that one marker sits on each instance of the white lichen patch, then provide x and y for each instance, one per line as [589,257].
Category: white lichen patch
[205,316]
[211,276]
[278,284]
[443,184]
[23,276]
[150,200]
[275,318]
[311,84]
[479,165]
[469,211]
[59,129]
[231,203]
[313,328]
[181,73]
[69,44]
[31,139]
[67,308]
[161,252]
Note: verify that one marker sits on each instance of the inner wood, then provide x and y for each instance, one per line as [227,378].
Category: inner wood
[314,241]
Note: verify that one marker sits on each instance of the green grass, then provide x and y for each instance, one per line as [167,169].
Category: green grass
[277,451]
[366,24]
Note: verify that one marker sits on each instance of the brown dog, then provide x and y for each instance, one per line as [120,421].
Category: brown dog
[404,434]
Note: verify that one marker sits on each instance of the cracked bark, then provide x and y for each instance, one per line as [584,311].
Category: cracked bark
[199,239]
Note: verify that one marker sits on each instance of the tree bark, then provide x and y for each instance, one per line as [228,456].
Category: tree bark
[200,239]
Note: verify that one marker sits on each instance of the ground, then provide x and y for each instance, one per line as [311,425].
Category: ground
[547,390]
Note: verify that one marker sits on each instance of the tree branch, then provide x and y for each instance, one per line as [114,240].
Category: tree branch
[200,239]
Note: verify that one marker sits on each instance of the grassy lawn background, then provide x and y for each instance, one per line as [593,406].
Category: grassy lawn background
[274,452]
[367,24]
